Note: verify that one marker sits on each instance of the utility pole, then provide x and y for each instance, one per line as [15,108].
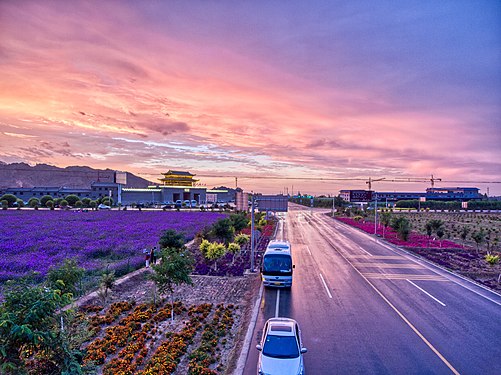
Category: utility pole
[236,182]
[375,213]
[252,233]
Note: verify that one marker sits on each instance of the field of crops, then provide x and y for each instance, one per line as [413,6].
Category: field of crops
[33,240]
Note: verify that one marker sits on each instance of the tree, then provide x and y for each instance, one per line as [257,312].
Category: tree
[5,204]
[34,203]
[72,199]
[78,204]
[86,202]
[239,221]
[464,234]
[30,332]
[63,203]
[204,247]
[45,199]
[223,230]
[50,205]
[93,204]
[478,237]
[69,273]
[106,284]
[20,204]
[233,248]
[172,240]
[385,219]
[214,252]
[402,226]
[174,269]
[10,198]
[440,234]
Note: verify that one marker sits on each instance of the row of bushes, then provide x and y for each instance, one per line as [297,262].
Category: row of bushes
[10,200]
[450,205]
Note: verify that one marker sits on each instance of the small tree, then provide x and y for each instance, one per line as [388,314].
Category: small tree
[10,198]
[34,203]
[174,269]
[204,247]
[69,273]
[464,234]
[478,237]
[172,240]
[50,205]
[385,219]
[402,226]
[45,199]
[106,284]
[20,204]
[440,234]
[5,204]
[78,204]
[86,202]
[29,328]
[223,230]
[93,204]
[239,221]
[214,252]
[63,203]
[72,199]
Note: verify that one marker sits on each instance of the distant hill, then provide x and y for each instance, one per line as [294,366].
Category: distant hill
[24,175]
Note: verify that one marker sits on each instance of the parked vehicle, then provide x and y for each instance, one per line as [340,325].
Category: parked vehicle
[281,349]
[194,203]
[277,267]
[186,203]
[179,203]
[103,207]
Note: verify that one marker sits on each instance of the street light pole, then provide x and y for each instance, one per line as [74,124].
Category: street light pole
[252,233]
[375,213]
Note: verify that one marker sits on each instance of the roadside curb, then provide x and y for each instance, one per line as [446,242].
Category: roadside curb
[248,336]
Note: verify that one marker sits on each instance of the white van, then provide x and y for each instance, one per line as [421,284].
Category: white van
[277,267]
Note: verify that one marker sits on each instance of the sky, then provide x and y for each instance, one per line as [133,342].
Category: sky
[337,91]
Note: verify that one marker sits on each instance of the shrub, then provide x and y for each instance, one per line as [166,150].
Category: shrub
[242,239]
[10,198]
[72,199]
[45,199]
[402,226]
[33,202]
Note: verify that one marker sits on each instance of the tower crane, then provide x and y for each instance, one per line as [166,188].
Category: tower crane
[433,179]
[371,181]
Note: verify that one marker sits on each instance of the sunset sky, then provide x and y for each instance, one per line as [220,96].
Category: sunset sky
[327,89]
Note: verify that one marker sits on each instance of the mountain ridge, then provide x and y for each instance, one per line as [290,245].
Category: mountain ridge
[46,175]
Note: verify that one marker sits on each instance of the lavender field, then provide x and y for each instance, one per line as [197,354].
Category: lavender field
[35,240]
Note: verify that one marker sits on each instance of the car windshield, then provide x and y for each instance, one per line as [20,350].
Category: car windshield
[281,347]
[277,263]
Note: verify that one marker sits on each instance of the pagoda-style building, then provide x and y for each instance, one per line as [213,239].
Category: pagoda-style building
[178,178]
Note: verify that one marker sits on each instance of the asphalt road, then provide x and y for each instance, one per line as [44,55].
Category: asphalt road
[365,307]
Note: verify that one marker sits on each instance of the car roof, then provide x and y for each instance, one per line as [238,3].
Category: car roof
[281,326]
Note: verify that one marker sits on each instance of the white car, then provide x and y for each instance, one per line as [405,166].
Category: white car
[281,350]
[103,207]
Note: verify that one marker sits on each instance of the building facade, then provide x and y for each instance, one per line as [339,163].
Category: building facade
[434,194]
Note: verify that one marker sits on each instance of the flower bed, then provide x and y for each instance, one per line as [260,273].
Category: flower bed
[144,341]
[414,240]
[33,240]
[233,264]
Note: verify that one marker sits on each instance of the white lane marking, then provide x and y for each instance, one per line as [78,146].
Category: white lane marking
[307,248]
[402,316]
[425,292]
[277,305]
[325,285]
[430,265]
[365,251]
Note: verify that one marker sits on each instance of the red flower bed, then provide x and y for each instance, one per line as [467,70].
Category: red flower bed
[414,240]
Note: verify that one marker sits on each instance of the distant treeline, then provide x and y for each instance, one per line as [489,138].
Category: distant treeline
[449,205]
[324,202]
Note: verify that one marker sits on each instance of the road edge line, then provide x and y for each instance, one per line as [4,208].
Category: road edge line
[248,336]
